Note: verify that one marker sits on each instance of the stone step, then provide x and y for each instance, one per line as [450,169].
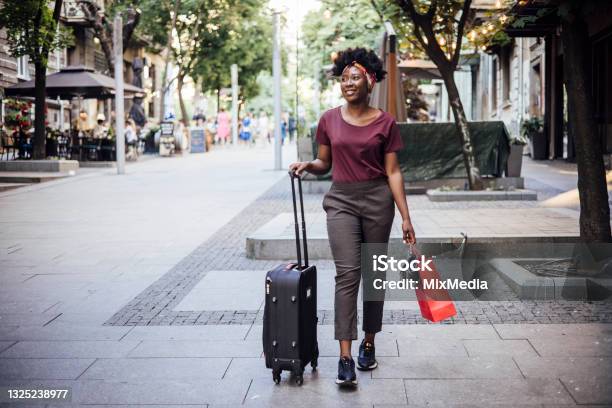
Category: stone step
[483,195]
[59,166]
[11,186]
[500,232]
[30,176]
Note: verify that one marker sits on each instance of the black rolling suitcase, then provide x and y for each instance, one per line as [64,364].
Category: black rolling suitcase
[290,311]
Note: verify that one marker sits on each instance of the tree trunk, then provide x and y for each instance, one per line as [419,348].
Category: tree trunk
[38,144]
[179,87]
[96,19]
[592,190]
[132,18]
[465,139]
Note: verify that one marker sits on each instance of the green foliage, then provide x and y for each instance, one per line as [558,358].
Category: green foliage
[18,115]
[444,26]
[532,126]
[247,42]
[211,35]
[337,25]
[31,30]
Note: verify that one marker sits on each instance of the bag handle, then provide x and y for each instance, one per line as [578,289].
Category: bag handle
[295,218]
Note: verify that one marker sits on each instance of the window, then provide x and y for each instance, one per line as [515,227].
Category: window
[23,71]
[494,85]
[505,68]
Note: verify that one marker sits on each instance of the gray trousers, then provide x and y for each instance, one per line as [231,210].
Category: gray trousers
[358,212]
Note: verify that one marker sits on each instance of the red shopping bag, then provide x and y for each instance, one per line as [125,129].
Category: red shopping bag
[435,303]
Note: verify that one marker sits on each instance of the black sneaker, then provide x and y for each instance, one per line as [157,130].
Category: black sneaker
[367,356]
[346,372]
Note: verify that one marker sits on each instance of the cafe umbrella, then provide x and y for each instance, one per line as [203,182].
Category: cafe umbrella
[74,82]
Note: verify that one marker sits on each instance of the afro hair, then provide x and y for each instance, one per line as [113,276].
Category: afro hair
[367,58]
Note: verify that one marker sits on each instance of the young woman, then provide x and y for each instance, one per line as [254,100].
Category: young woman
[361,141]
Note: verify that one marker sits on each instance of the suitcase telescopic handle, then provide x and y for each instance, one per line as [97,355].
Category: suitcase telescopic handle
[293,176]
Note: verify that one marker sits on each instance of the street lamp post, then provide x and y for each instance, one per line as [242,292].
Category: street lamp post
[234,74]
[276,70]
[119,109]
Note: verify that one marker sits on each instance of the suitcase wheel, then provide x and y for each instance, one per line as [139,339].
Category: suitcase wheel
[299,376]
[276,376]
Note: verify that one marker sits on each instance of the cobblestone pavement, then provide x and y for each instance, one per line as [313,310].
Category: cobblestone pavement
[225,250]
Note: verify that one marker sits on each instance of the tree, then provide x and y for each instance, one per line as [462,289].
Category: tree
[592,190]
[437,28]
[249,45]
[103,27]
[335,26]
[32,30]
[577,77]
[208,36]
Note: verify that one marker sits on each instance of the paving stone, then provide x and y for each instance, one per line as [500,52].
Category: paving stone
[325,392]
[197,348]
[193,391]
[567,367]
[224,251]
[575,346]
[132,369]
[487,391]
[385,346]
[590,390]
[35,368]
[443,367]
[67,331]
[191,332]
[499,347]
[6,344]
[256,368]
[30,319]
[526,331]
[410,347]
[443,331]
[69,349]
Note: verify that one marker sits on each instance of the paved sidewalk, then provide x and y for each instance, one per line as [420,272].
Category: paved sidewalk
[137,290]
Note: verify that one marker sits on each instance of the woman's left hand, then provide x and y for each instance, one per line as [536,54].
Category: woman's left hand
[408,236]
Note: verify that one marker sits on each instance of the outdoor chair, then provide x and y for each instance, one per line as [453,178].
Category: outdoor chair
[92,149]
[107,150]
[25,147]
[8,145]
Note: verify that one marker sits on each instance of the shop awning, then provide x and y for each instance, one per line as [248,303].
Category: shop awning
[74,82]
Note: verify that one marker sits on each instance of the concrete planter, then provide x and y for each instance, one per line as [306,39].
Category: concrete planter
[515,161]
[56,166]
[304,149]
[537,144]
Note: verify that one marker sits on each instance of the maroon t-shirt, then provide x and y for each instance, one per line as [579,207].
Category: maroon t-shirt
[358,152]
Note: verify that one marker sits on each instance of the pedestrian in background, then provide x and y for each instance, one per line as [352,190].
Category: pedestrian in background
[223,126]
[264,127]
[292,127]
[245,131]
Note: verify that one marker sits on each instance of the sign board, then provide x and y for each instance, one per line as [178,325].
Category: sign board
[167,128]
[198,140]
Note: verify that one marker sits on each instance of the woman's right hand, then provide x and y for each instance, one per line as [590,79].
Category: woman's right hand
[299,167]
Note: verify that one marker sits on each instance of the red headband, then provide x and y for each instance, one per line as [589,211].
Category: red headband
[370,76]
